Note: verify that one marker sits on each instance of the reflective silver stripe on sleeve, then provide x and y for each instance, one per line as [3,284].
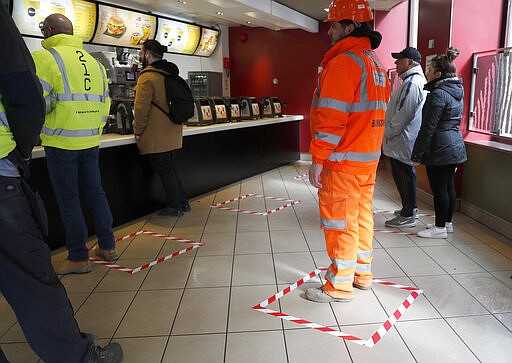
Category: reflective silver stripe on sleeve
[332,104]
[364,254]
[69,133]
[338,279]
[336,224]
[355,156]
[67,95]
[104,119]
[3,119]
[364,267]
[46,86]
[327,137]
[342,264]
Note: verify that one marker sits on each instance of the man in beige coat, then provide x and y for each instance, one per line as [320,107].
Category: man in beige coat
[156,136]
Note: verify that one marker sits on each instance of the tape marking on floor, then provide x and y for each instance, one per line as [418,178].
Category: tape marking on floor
[375,337]
[252,212]
[109,264]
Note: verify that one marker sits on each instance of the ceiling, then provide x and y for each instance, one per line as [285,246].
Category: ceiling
[279,14]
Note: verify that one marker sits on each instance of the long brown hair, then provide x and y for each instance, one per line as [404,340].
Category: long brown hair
[444,63]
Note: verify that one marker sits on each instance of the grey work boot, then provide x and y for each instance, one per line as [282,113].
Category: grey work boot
[401,222]
[111,353]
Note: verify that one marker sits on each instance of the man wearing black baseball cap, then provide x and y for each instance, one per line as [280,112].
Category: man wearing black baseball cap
[403,121]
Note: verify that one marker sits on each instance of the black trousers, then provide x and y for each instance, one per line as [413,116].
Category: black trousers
[405,179]
[29,284]
[163,165]
[442,183]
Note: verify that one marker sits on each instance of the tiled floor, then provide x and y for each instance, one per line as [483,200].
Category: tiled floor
[197,306]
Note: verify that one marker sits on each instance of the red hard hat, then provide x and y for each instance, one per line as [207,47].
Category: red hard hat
[357,10]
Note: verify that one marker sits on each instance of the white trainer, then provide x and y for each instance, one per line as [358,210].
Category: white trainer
[448,225]
[434,232]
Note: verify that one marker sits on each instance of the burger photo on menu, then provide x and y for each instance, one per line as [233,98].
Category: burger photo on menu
[115,27]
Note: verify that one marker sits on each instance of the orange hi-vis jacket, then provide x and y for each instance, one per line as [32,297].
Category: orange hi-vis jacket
[348,108]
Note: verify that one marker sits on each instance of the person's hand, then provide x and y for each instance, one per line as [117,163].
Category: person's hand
[314,175]
[415,164]
[137,137]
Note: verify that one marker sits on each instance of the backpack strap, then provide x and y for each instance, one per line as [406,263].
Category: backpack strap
[153,102]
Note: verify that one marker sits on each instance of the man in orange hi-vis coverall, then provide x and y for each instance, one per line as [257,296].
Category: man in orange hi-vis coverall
[347,126]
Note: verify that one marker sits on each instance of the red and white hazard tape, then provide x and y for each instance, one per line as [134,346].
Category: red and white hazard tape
[370,343]
[395,232]
[392,211]
[301,176]
[131,271]
[243,211]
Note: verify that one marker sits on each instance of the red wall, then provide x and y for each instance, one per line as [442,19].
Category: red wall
[291,56]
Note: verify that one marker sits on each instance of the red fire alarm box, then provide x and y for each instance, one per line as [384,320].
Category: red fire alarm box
[226,62]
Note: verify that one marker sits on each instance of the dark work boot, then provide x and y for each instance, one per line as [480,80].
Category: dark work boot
[111,353]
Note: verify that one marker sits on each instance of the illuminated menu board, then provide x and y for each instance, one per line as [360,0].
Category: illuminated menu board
[209,40]
[177,36]
[123,28]
[30,14]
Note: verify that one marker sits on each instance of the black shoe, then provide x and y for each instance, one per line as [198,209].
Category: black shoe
[111,353]
[175,212]
[185,207]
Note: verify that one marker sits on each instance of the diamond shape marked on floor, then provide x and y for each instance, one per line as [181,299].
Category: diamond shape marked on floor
[375,337]
[266,213]
[193,245]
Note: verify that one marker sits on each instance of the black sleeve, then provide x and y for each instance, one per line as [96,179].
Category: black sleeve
[22,95]
[431,114]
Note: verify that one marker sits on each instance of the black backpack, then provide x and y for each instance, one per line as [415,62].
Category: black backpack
[179,98]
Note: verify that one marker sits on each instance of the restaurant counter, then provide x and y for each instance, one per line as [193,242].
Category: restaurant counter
[212,156]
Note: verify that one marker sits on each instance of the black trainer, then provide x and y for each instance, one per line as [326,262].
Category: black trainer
[111,353]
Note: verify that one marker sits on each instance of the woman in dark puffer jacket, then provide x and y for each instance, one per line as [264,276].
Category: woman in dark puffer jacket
[439,145]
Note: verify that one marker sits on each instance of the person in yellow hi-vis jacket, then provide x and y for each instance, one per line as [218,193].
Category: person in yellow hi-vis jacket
[75,87]
[347,127]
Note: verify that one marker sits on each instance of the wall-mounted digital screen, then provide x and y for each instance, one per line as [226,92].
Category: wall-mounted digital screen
[209,40]
[123,28]
[29,15]
[177,36]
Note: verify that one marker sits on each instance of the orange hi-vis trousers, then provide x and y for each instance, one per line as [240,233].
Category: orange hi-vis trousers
[347,220]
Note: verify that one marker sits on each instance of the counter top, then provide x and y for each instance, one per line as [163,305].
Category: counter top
[110,140]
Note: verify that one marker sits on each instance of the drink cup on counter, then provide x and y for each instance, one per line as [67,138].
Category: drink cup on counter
[135,38]
[58,7]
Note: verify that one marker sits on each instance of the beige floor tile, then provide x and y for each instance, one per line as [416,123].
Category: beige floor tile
[389,240]
[383,266]
[489,340]
[172,274]
[85,283]
[195,348]
[291,267]
[315,238]
[150,314]
[221,221]
[19,353]
[415,262]
[252,242]
[256,347]
[283,220]
[448,296]
[251,223]
[391,348]
[506,319]
[364,309]
[330,348]
[102,312]
[452,260]
[144,247]
[296,304]
[116,280]
[487,257]
[202,311]
[241,315]
[434,341]
[504,276]
[288,241]
[321,259]
[217,244]
[253,270]
[492,294]
[8,317]
[147,349]
[211,271]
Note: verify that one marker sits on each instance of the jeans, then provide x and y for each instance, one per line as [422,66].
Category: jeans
[405,179]
[442,182]
[29,284]
[163,165]
[68,169]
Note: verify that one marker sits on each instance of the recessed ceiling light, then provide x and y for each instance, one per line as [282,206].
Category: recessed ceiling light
[249,22]
[327,9]
[182,2]
[220,13]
